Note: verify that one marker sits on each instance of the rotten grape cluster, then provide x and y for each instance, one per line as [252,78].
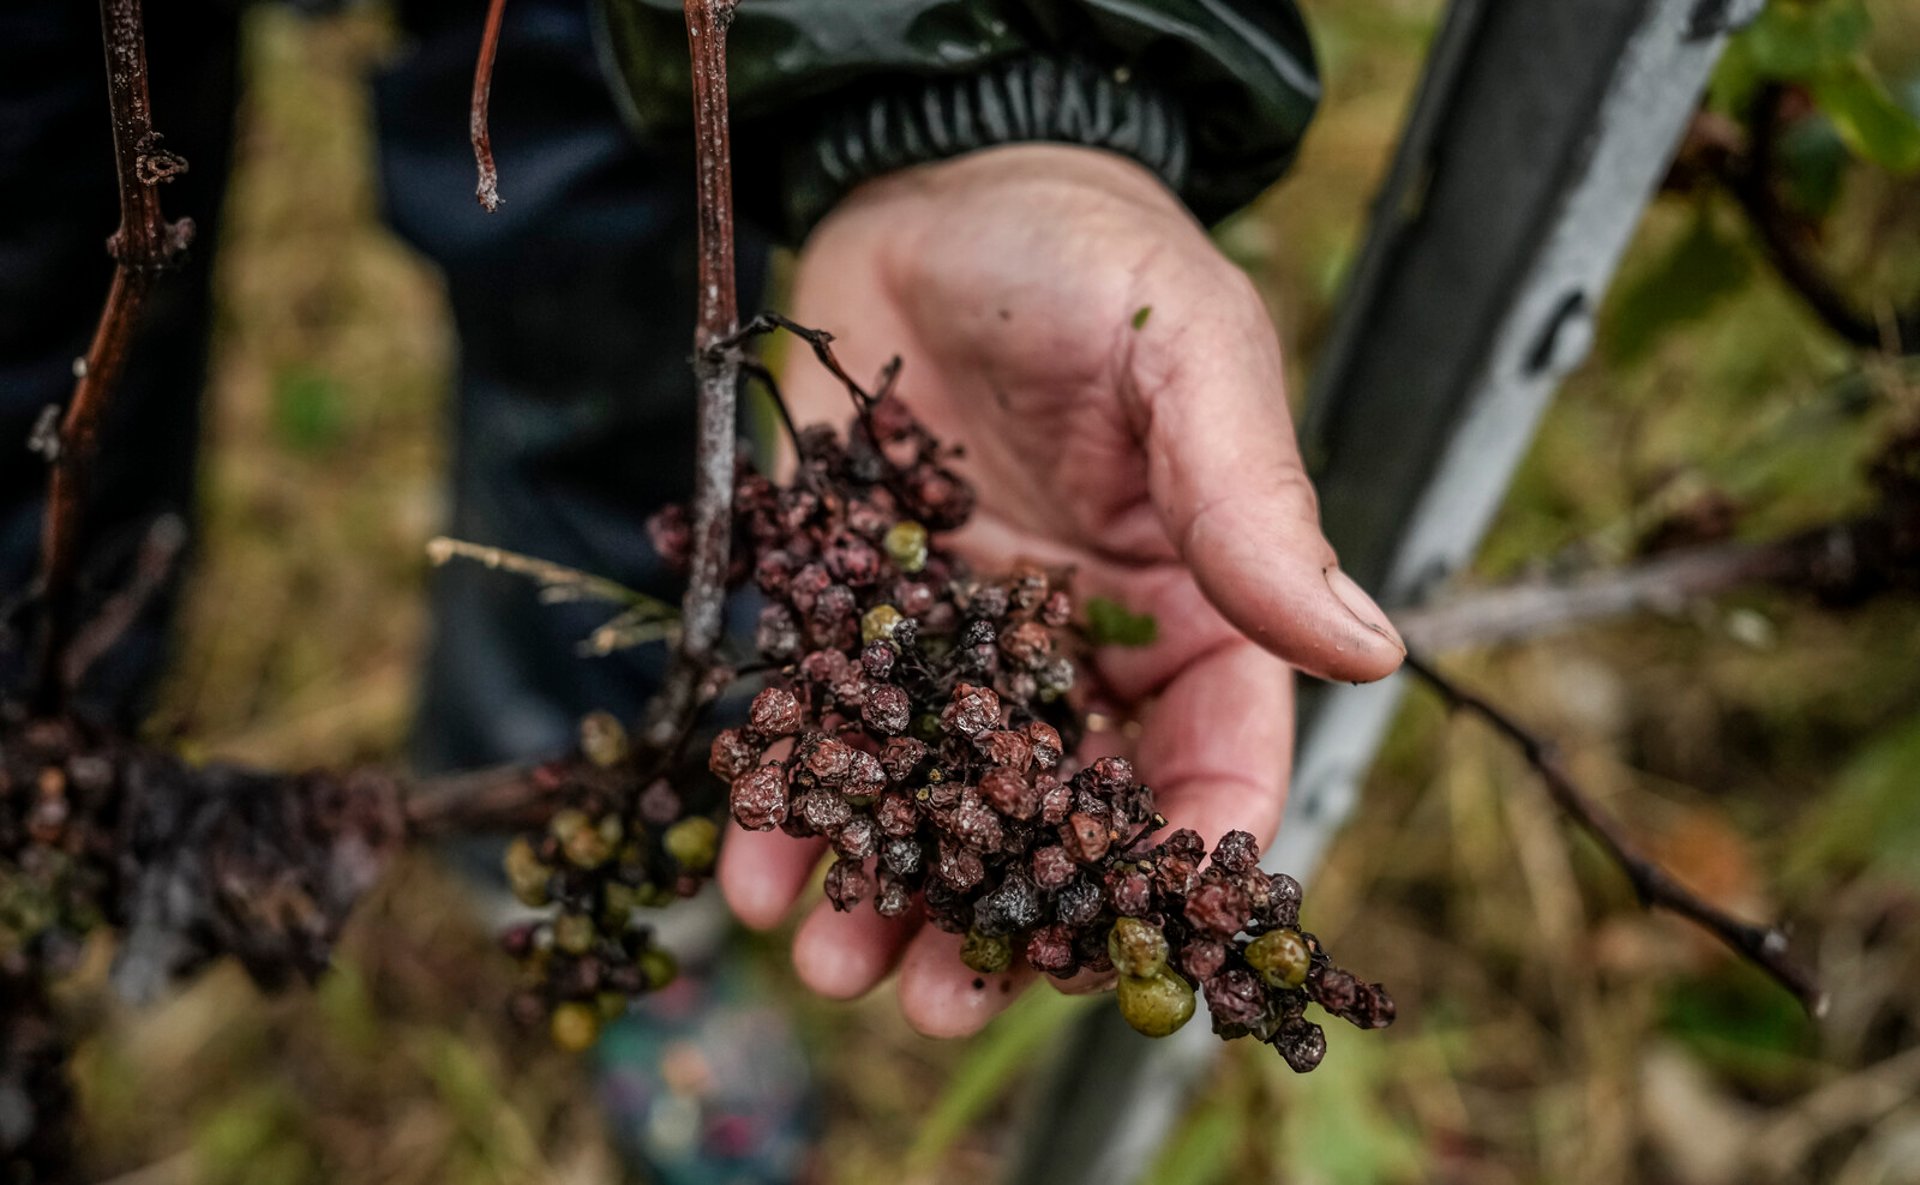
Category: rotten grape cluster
[203,861]
[58,804]
[622,843]
[923,722]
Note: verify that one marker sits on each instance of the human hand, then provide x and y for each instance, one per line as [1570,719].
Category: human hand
[1156,458]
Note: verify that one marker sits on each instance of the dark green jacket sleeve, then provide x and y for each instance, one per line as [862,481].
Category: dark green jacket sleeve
[1213,95]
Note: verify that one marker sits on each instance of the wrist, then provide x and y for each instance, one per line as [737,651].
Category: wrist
[1051,174]
[1034,101]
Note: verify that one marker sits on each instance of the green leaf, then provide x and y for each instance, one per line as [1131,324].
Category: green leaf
[1109,623]
[307,410]
[1866,116]
[1798,40]
[993,1061]
[1870,819]
[1700,271]
[347,1008]
[1813,160]
[1740,1022]
[1140,316]
[255,1138]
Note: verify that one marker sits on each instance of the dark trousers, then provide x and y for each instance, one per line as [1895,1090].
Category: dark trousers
[573,414]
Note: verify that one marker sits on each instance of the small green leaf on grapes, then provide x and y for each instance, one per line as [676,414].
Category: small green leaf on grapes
[1109,623]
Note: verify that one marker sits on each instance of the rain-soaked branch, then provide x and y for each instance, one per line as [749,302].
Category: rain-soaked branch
[144,246]
[1763,946]
[717,373]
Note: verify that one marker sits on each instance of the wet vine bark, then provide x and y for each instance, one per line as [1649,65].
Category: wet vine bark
[717,372]
[144,247]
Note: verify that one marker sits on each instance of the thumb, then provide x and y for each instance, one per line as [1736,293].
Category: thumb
[1224,472]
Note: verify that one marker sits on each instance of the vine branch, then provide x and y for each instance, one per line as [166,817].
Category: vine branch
[143,247]
[1839,561]
[1788,239]
[1763,946]
[487,190]
[716,372]
[500,798]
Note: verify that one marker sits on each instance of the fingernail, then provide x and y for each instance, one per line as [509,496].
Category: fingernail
[1362,607]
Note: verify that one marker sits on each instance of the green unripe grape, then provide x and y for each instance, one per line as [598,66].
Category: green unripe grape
[618,902]
[575,1027]
[1138,949]
[580,839]
[603,740]
[652,896]
[573,933]
[879,622]
[906,545]
[568,823]
[1281,957]
[987,954]
[612,1005]
[526,875]
[694,843]
[659,968]
[1155,1006]
[588,849]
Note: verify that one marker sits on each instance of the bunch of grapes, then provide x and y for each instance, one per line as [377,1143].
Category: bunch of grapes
[623,843]
[203,860]
[923,721]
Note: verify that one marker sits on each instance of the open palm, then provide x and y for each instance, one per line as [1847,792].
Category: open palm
[1118,388]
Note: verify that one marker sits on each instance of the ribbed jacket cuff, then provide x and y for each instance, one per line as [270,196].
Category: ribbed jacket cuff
[1018,100]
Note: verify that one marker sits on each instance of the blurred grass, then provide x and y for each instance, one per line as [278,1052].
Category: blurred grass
[1549,1032]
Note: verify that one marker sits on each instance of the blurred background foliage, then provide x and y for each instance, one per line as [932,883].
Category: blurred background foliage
[1768,749]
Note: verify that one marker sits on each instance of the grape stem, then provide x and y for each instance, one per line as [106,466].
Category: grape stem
[1764,946]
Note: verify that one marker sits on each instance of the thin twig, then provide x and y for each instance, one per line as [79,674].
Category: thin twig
[1834,559]
[159,557]
[889,375]
[499,798]
[632,627]
[717,372]
[558,583]
[1788,239]
[821,343]
[144,246]
[488,188]
[1764,946]
[758,371]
